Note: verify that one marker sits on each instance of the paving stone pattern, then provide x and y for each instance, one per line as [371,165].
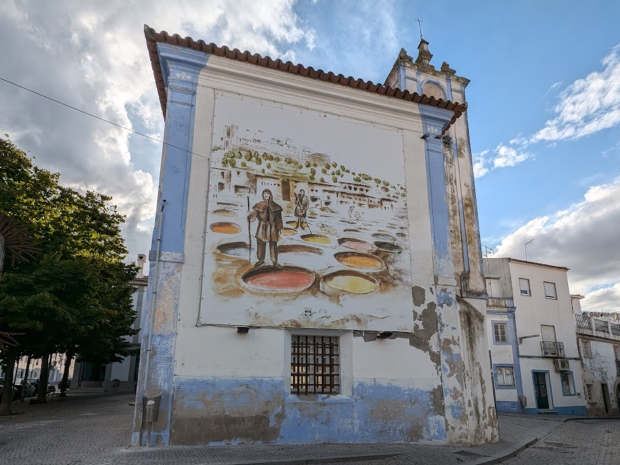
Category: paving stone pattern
[94,429]
[595,442]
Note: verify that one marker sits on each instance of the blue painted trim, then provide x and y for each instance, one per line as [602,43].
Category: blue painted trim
[508,335]
[403,78]
[430,80]
[549,388]
[508,406]
[434,120]
[502,365]
[578,410]
[417,79]
[181,68]
[376,412]
[449,87]
[493,312]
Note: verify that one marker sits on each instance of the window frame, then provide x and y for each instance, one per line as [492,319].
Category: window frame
[495,340]
[335,388]
[529,288]
[571,383]
[503,366]
[555,290]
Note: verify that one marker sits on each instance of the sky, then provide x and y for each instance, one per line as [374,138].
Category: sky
[544,102]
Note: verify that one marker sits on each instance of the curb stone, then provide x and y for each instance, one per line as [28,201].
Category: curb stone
[515,450]
[317,460]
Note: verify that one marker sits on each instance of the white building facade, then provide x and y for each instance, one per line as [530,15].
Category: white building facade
[531,329]
[365,321]
[598,336]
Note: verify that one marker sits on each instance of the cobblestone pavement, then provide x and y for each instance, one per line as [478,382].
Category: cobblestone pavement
[94,429]
[580,442]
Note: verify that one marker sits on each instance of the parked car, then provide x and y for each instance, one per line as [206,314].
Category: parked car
[30,389]
[13,397]
[35,382]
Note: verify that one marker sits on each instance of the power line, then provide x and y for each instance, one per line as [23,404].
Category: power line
[99,118]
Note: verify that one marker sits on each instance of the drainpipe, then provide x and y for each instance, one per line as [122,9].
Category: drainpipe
[152,319]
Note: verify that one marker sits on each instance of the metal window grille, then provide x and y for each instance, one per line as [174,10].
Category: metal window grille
[315,365]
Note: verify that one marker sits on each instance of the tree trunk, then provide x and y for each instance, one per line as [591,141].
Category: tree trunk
[25,380]
[65,375]
[42,389]
[7,394]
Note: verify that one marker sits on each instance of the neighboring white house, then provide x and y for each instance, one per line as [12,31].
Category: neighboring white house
[599,343]
[531,331]
[123,375]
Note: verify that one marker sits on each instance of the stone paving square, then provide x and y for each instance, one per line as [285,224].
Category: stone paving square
[95,429]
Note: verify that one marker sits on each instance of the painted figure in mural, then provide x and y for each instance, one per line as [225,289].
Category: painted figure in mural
[301,208]
[269,216]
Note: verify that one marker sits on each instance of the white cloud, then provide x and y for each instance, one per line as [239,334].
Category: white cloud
[480,162]
[507,156]
[588,105]
[583,237]
[605,299]
[503,156]
[96,59]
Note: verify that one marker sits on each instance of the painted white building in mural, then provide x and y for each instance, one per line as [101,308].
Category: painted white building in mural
[351,312]
[531,330]
[598,336]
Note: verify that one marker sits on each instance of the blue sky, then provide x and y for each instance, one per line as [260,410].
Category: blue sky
[544,101]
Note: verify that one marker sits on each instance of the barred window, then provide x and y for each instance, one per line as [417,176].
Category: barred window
[315,365]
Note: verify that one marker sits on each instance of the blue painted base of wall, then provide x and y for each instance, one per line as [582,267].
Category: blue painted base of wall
[576,410]
[506,406]
[260,410]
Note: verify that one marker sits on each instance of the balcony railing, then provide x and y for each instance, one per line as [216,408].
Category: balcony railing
[601,325]
[552,349]
[583,322]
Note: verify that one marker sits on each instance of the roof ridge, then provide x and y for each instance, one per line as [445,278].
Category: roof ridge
[153,37]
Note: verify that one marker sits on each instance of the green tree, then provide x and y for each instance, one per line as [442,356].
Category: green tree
[77,295]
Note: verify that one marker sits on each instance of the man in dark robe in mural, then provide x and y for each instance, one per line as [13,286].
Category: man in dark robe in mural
[301,208]
[269,216]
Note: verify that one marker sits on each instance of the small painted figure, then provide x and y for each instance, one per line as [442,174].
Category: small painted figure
[301,209]
[269,216]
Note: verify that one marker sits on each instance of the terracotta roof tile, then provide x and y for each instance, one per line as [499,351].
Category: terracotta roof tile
[539,264]
[153,37]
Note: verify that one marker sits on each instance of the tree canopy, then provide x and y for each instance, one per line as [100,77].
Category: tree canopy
[75,297]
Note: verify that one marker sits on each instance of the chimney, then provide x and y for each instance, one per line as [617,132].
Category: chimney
[141,263]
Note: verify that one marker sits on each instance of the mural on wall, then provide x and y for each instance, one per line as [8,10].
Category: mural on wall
[307,223]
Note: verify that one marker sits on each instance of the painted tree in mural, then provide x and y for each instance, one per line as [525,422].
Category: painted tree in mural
[75,297]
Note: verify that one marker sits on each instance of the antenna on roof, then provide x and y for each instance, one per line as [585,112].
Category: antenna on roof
[525,247]
[486,250]
[420,26]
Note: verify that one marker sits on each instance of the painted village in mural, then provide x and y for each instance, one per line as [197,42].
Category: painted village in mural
[297,235]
